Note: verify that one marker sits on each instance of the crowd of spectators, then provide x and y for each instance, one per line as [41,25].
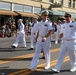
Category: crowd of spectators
[9,28]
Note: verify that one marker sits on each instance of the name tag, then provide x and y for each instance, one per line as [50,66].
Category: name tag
[63,27]
[71,26]
[45,25]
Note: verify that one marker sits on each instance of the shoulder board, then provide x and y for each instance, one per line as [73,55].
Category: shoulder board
[73,21]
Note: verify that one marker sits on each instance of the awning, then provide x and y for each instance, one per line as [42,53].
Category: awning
[7,12]
[27,14]
[58,12]
[37,14]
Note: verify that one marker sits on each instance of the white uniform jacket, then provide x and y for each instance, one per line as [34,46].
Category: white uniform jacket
[21,28]
[69,31]
[43,28]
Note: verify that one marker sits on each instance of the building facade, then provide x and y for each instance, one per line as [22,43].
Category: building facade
[31,8]
[66,6]
[27,8]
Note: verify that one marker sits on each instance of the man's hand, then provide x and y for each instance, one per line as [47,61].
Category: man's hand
[34,33]
[61,35]
[35,40]
[43,39]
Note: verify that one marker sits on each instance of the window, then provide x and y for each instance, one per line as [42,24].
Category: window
[5,6]
[37,10]
[28,9]
[38,0]
[18,7]
[61,2]
[73,3]
[69,3]
[51,1]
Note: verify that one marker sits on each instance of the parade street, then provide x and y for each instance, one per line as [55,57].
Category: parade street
[17,61]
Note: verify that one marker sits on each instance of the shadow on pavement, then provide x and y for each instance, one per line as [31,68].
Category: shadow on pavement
[16,59]
[7,71]
[13,49]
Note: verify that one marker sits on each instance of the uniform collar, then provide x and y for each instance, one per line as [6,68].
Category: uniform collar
[45,21]
[69,22]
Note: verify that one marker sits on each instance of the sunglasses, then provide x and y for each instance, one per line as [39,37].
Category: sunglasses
[45,15]
[66,16]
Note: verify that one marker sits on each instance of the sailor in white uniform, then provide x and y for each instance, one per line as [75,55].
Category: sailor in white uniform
[68,35]
[58,25]
[43,41]
[33,32]
[21,35]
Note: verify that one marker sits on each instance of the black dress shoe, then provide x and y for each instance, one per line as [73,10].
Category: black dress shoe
[13,46]
[31,49]
[43,57]
[23,47]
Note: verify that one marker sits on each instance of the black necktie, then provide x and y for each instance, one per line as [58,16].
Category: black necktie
[33,24]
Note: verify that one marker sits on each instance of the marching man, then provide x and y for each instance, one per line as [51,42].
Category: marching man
[21,35]
[43,41]
[33,32]
[68,35]
[58,24]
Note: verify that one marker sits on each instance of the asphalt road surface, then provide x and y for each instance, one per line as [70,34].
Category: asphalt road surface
[17,61]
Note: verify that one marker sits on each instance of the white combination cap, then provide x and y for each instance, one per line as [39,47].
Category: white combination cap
[20,20]
[44,12]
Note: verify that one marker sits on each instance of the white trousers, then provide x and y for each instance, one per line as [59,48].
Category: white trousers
[46,49]
[57,36]
[70,47]
[20,36]
[32,39]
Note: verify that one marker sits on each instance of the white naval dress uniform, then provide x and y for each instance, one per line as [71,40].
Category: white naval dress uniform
[34,29]
[68,44]
[21,35]
[43,28]
[57,33]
